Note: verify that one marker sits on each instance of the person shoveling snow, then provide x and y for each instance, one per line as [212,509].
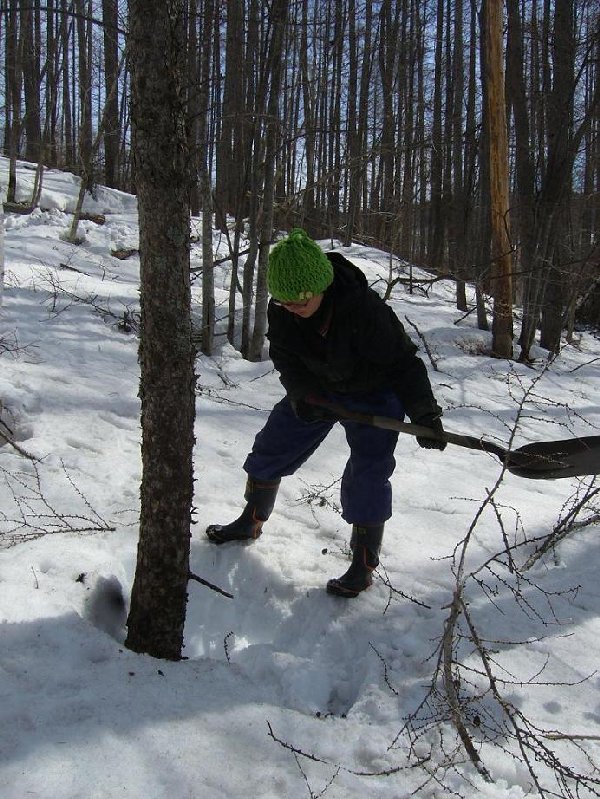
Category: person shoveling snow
[333,339]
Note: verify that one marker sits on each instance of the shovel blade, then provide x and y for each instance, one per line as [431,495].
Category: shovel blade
[550,460]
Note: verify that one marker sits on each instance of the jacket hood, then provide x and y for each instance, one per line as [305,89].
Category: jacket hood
[348,280]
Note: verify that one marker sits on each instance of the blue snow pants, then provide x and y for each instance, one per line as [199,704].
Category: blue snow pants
[286,442]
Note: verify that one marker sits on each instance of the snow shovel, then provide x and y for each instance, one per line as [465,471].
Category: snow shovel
[544,460]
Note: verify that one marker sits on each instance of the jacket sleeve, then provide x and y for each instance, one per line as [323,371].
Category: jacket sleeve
[387,343]
[414,389]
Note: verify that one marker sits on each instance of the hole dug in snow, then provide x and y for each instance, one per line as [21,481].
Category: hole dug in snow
[104,604]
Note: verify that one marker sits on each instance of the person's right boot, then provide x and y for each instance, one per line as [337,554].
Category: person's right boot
[260,498]
[365,545]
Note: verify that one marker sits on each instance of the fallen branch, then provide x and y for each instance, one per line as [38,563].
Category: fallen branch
[567,525]
[449,680]
[18,448]
[36,516]
[192,576]
[315,759]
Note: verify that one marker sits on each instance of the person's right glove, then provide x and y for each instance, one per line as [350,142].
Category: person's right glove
[434,422]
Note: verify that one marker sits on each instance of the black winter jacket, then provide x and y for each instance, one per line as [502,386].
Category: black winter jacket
[354,344]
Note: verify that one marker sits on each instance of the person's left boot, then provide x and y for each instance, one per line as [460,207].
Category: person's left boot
[365,545]
[260,498]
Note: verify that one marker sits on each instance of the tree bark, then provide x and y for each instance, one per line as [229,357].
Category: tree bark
[278,16]
[208,290]
[502,325]
[1,253]
[85,94]
[159,595]
[31,83]
[111,71]
[457,239]
[14,51]
[389,25]
[436,223]
[308,104]
[561,154]
[228,170]
[67,110]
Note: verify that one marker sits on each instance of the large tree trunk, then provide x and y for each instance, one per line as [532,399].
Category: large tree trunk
[85,94]
[14,52]
[502,326]
[457,239]
[208,287]
[52,70]
[159,596]
[524,164]
[389,23]
[560,158]
[1,253]
[111,72]
[228,169]
[31,82]
[279,15]
[437,219]
[67,110]
[309,109]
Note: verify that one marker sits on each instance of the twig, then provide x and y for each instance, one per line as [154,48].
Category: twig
[226,645]
[310,756]
[36,516]
[450,686]
[564,527]
[425,344]
[18,449]
[192,576]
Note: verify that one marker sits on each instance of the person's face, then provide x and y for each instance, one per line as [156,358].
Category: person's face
[303,309]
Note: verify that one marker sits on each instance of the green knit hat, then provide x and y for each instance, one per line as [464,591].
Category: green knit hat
[298,269]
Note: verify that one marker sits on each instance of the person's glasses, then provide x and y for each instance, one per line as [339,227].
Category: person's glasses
[292,304]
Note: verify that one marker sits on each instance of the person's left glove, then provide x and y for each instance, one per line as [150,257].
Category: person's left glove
[434,423]
[309,412]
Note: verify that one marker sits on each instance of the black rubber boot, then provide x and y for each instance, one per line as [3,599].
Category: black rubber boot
[365,545]
[260,496]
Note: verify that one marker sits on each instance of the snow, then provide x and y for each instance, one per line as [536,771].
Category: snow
[282,662]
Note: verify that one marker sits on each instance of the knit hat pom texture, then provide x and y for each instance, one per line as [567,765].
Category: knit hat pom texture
[298,269]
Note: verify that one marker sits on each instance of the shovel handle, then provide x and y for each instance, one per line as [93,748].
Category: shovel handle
[410,428]
[540,461]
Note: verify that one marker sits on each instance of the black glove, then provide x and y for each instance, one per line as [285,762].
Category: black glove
[312,413]
[434,423]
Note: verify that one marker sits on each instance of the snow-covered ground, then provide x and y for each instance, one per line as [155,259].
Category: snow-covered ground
[282,670]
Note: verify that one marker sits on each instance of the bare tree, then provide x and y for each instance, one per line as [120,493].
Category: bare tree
[208,294]
[159,595]
[14,58]
[502,344]
[68,122]
[30,15]
[111,72]
[279,12]
[84,37]
[1,252]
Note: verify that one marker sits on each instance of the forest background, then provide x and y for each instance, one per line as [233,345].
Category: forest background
[363,121]
[370,123]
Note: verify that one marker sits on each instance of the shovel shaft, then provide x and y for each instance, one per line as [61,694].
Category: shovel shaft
[546,460]
[470,442]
